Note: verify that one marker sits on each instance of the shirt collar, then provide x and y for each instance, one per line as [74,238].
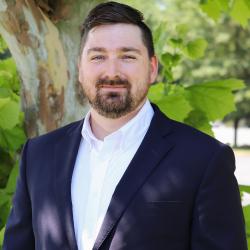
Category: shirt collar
[127,134]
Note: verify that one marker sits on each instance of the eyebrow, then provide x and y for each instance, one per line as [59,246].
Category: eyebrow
[131,49]
[123,49]
[96,49]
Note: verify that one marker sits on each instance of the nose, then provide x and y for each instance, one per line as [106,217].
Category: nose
[112,69]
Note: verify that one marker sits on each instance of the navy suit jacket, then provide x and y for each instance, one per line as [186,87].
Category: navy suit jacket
[178,193]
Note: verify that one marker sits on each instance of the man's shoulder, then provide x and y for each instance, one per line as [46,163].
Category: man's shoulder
[195,147]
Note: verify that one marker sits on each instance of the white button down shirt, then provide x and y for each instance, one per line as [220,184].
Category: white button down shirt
[98,169]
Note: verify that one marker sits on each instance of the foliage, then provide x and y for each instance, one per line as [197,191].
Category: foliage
[246,211]
[239,10]
[194,104]
[244,189]
[11,133]
[227,56]
[242,111]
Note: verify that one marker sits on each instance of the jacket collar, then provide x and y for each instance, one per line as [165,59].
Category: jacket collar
[65,156]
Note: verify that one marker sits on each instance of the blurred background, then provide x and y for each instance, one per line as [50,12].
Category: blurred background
[204,78]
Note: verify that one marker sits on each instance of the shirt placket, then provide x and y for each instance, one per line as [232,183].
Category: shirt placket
[100,160]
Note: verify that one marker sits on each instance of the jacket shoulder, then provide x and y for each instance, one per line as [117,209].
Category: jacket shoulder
[57,134]
[186,137]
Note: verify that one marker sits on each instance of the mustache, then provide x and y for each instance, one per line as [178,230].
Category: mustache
[112,82]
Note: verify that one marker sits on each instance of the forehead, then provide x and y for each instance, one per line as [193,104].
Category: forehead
[115,36]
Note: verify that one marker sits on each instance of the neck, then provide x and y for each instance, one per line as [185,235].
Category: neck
[102,126]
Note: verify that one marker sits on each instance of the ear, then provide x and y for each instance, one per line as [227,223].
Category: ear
[153,69]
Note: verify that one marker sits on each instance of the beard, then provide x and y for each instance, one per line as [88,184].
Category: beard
[115,104]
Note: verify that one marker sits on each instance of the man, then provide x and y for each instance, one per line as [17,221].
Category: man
[127,177]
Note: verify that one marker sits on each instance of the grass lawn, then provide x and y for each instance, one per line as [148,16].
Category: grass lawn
[239,151]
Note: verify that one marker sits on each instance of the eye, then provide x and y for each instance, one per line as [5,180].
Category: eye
[128,57]
[97,58]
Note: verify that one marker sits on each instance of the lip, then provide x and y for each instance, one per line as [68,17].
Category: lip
[113,87]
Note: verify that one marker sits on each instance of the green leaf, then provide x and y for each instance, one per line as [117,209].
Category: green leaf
[169,60]
[8,66]
[232,84]
[5,92]
[3,45]
[182,29]
[247,2]
[5,168]
[246,211]
[11,185]
[212,8]
[176,43]
[8,75]
[4,101]
[1,236]
[240,9]
[196,49]
[215,99]
[224,5]
[5,209]
[6,164]
[5,204]
[244,188]
[156,92]
[160,38]
[175,107]
[199,120]
[172,102]
[166,59]
[4,198]
[12,139]
[9,113]
[5,78]
[167,72]
[241,12]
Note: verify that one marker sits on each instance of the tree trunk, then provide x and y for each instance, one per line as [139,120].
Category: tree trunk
[44,37]
[236,123]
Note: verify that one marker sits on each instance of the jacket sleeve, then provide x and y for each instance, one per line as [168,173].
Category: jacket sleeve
[19,233]
[218,221]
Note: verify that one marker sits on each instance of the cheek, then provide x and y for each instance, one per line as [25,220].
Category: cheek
[80,76]
[131,69]
[87,71]
[87,76]
[134,73]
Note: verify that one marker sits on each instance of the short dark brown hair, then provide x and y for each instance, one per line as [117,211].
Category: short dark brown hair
[113,13]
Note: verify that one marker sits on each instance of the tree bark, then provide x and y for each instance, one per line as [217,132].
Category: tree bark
[43,37]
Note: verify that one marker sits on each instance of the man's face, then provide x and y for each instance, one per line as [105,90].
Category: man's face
[115,70]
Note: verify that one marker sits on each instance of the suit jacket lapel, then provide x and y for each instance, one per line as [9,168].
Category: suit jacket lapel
[153,148]
[65,156]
